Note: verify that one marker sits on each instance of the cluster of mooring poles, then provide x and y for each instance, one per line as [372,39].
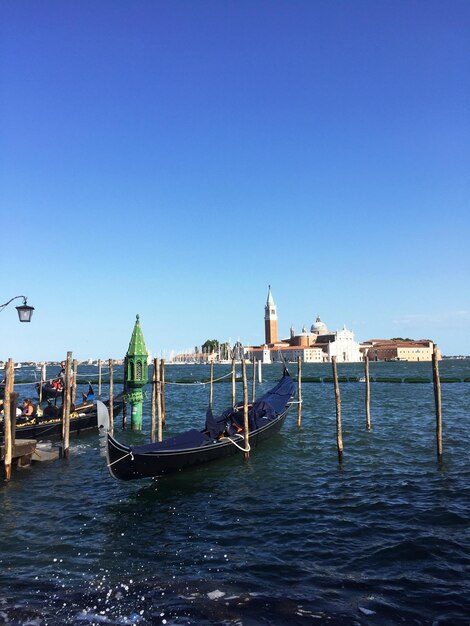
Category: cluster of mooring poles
[157,418]
[68,397]
[437,400]
[22,450]
[136,377]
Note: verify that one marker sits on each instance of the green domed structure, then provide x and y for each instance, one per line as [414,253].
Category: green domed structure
[136,373]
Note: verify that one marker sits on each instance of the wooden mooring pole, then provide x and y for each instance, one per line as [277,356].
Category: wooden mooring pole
[253,388]
[111,400]
[367,377]
[43,380]
[339,431]
[162,391]
[8,418]
[12,431]
[124,395]
[99,379]
[437,401]
[153,410]
[299,391]
[234,383]
[66,405]
[246,427]
[159,404]
[74,381]
[211,383]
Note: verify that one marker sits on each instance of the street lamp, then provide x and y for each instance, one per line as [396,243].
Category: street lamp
[24,310]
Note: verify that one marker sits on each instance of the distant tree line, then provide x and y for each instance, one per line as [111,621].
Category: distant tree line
[224,350]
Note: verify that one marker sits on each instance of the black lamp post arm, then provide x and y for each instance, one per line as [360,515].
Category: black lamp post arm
[2,306]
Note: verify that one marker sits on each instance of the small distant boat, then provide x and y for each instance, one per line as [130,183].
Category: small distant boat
[50,389]
[222,437]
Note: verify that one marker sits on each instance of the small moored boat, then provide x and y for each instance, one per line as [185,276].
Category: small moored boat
[222,437]
[50,389]
[49,424]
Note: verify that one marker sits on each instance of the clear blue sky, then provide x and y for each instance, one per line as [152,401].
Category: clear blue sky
[173,159]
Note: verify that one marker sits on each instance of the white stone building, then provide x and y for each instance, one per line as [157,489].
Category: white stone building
[317,346]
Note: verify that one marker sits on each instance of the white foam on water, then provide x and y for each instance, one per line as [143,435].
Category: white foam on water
[214,595]
[366,611]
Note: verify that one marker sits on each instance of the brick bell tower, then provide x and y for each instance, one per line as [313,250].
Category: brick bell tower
[270,320]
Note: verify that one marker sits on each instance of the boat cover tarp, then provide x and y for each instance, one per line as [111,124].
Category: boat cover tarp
[280,394]
[264,410]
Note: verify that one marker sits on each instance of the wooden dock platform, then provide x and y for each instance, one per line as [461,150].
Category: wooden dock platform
[22,453]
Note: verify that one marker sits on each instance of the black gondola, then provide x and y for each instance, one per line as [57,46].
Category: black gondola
[222,437]
[83,417]
[49,390]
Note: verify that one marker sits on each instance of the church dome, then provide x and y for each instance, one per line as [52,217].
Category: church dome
[319,327]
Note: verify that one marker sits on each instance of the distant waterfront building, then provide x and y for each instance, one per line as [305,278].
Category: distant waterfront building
[315,346]
[399,350]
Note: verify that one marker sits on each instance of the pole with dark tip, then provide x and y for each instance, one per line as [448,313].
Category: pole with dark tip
[253,389]
[437,401]
[367,381]
[339,432]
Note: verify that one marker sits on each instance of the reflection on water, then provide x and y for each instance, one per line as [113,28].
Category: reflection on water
[286,538]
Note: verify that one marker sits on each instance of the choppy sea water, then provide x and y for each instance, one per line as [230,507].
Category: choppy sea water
[289,537]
